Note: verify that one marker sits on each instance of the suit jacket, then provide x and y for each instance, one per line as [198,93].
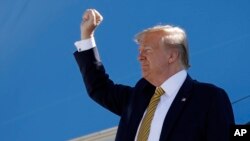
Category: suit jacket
[199,112]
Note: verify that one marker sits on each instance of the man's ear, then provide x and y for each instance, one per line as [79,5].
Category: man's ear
[173,55]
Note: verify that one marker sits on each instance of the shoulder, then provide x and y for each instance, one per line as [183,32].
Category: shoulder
[206,86]
[209,90]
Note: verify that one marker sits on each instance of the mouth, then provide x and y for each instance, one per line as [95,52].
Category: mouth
[144,65]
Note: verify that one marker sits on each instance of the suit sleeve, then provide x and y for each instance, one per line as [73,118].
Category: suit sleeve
[100,88]
[220,118]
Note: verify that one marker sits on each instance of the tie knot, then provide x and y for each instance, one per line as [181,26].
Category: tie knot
[159,91]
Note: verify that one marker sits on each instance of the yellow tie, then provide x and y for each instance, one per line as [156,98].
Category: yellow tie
[146,122]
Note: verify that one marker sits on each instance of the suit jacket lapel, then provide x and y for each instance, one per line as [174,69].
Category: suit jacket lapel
[142,100]
[176,107]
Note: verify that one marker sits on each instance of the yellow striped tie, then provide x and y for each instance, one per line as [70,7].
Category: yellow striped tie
[146,122]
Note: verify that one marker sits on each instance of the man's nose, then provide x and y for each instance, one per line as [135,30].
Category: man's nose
[141,56]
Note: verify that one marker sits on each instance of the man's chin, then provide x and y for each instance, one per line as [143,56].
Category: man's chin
[145,75]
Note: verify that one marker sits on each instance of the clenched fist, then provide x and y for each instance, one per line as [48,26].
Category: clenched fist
[90,20]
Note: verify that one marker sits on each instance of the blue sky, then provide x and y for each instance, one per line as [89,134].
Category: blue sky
[42,96]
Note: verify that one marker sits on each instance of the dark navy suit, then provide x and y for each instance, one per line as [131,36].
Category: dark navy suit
[199,112]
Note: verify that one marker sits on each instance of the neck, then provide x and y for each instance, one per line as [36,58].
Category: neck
[161,78]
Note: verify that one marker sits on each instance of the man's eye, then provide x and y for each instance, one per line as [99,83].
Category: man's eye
[148,50]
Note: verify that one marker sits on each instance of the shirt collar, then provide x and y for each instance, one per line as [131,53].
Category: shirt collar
[174,83]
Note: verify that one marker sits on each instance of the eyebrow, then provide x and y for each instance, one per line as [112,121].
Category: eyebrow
[146,48]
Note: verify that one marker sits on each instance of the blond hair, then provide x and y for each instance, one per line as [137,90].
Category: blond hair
[174,36]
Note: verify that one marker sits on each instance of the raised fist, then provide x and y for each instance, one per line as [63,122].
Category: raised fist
[90,20]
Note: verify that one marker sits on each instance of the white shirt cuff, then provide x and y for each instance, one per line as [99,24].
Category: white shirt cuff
[86,44]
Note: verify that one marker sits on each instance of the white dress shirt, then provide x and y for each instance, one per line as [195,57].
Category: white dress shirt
[83,45]
[171,87]
[87,44]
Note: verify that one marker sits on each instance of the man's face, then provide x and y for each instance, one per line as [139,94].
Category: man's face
[153,57]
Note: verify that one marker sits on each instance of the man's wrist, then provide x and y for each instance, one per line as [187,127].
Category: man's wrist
[86,36]
[86,33]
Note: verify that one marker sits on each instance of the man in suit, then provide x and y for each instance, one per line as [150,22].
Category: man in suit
[166,104]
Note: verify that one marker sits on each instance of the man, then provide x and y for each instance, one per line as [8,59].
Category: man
[166,104]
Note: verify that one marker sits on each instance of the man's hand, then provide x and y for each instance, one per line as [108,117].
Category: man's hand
[90,20]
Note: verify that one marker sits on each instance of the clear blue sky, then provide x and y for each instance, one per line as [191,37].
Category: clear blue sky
[42,96]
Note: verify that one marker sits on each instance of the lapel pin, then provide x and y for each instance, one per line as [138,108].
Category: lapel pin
[183,99]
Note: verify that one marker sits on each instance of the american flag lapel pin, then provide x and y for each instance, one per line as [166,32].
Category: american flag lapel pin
[183,99]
